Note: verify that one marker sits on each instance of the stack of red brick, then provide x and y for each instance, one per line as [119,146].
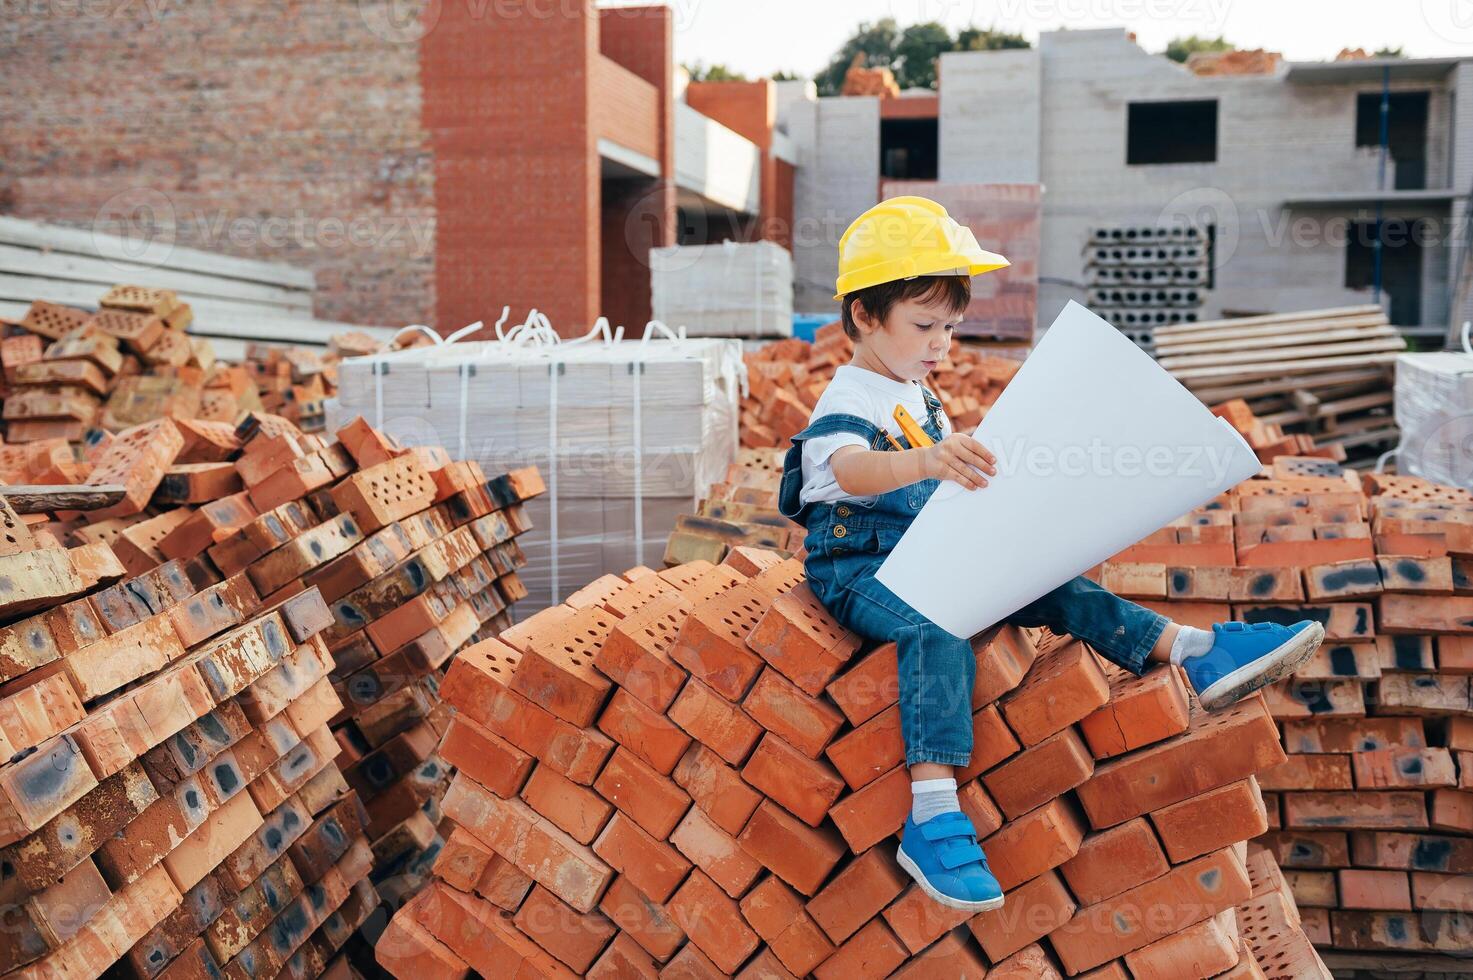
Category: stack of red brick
[377,561]
[698,773]
[1372,813]
[740,511]
[169,800]
[786,377]
[1269,440]
[72,374]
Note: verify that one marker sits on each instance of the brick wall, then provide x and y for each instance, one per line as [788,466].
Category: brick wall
[202,120]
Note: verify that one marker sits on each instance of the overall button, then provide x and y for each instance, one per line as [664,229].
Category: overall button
[844,511]
[840,530]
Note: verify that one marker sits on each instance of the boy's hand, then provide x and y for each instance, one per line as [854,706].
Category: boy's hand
[959,457]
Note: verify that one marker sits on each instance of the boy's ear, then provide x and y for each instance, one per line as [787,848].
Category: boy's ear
[862,318]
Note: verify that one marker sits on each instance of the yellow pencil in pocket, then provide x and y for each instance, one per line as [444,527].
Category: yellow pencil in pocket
[913,433]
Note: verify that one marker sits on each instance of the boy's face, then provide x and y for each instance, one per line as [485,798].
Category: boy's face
[913,339]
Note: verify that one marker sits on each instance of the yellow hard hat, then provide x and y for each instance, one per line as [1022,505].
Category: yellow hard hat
[906,237]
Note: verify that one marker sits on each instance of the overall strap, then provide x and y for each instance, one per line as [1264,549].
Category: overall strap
[828,425]
[933,407]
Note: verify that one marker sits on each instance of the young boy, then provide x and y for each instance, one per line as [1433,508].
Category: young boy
[904,280]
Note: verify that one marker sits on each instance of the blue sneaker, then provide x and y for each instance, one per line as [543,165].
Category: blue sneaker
[1245,657]
[944,858]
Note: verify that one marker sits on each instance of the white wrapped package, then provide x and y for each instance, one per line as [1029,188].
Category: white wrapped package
[732,289]
[1096,445]
[626,434]
[1434,409]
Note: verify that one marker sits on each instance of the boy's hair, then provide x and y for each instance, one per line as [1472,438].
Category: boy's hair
[878,301]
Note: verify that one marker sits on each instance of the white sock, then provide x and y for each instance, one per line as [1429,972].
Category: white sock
[1190,642]
[931,797]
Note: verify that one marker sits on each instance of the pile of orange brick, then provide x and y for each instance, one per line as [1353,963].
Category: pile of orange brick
[697,773]
[741,511]
[217,691]
[71,373]
[786,377]
[1371,814]
[1268,440]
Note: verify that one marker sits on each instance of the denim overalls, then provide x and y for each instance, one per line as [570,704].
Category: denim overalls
[846,543]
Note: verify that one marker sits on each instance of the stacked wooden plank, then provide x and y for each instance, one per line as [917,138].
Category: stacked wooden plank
[1371,814]
[698,773]
[739,512]
[378,561]
[1326,373]
[786,377]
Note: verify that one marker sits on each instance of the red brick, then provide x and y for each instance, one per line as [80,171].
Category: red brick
[713,922]
[918,920]
[538,848]
[715,852]
[1185,895]
[868,687]
[486,940]
[1207,949]
[1030,912]
[1004,656]
[651,800]
[766,965]
[1366,888]
[462,860]
[1218,749]
[691,964]
[1036,842]
[1141,710]
[867,816]
[652,866]
[715,722]
[1113,860]
[485,757]
[716,788]
[798,637]
[776,913]
[1356,811]
[574,938]
[1215,819]
[858,893]
[636,653]
[1064,686]
[645,732]
[648,923]
[979,808]
[476,685]
[870,750]
[576,810]
[951,956]
[872,952]
[1303,771]
[804,722]
[1404,768]
[1039,773]
[805,787]
[556,668]
[712,643]
[798,854]
[406,949]
[1029,963]
[623,960]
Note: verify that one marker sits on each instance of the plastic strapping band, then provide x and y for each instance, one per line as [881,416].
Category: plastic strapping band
[379,369]
[465,374]
[637,367]
[552,371]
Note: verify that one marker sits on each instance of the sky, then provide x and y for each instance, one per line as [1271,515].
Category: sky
[759,37]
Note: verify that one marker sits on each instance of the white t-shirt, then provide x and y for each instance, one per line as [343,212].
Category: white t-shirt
[870,396]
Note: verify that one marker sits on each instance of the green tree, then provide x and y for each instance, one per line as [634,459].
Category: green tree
[783,75]
[910,53]
[876,42]
[701,72]
[1180,48]
[988,39]
[1396,52]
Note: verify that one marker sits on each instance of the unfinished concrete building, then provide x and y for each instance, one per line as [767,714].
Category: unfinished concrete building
[1170,195]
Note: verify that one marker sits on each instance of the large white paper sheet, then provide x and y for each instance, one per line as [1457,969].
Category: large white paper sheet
[1097,446]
